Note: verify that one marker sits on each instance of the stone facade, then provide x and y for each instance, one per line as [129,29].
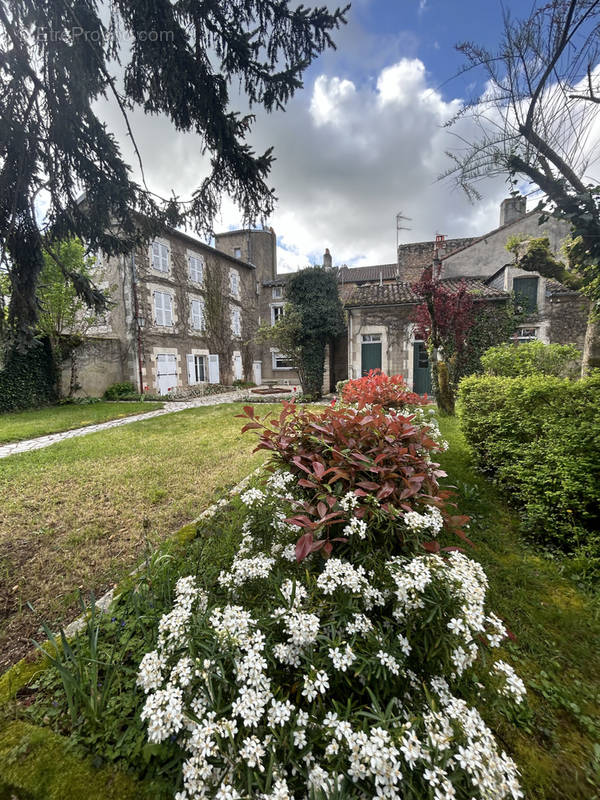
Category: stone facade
[155,333]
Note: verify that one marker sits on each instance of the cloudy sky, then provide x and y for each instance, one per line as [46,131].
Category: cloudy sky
[363,141]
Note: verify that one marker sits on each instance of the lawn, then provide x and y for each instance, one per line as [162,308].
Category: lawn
[81,513]
[557,646]
[35,422]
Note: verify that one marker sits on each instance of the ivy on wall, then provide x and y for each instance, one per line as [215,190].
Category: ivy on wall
[28,379]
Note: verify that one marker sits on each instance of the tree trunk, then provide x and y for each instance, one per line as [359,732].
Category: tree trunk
[591,347]
[74,382]
[444,395]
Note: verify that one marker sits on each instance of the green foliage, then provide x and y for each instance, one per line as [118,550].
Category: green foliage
[313,293]
[28,379]
[532,358]
[493,323]
[539,437]
[116,391]
[52,138]
[79,669]
[535,255]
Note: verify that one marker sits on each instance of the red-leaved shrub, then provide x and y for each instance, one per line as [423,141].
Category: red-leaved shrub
[334,451]
[378,389]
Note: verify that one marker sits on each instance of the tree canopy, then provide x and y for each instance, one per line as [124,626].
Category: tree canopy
[57,57]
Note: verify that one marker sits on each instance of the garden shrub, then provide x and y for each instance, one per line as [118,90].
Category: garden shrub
[309,672]
[539,437]
[532,358]
[377,388]
[119,391]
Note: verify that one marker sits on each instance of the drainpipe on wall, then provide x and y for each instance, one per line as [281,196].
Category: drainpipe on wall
[137,320]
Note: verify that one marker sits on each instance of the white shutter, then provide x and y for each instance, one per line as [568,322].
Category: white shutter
[168,309]
[191,370]
[213,369]
[197,315]
[237,367]
[159,316]
[164,258]
[155,255]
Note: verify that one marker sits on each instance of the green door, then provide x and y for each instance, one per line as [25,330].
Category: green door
[370,353]
[421,371]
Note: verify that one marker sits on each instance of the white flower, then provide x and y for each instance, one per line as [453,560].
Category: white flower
[513,685]
[252,497]
[252,751]
[341,659]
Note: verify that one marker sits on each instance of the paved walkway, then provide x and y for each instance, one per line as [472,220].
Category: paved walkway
[169,408]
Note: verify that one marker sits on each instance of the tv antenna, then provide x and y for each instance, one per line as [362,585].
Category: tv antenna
[400,218]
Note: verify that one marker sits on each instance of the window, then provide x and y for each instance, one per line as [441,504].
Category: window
[236,321]
[526,290]
[369,338]
[197,372]
[281,362]
[163,309]
[237,252]
[525,334]
[234,283]
[160,256]
[276,313]
[196,265]
[197,315]
[277,292]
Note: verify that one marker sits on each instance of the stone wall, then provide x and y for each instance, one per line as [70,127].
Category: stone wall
[567,316]
[488,254]
[100,363]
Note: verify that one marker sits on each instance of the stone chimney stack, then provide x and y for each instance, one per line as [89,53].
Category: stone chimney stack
[327,262]
[512,209]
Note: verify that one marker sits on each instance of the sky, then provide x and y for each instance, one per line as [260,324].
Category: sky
[362,141]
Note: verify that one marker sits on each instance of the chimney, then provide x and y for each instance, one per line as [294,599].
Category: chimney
[512,209]
[327,262]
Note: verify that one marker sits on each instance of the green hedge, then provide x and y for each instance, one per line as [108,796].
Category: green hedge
[539,437]
[532,358]
[28,379]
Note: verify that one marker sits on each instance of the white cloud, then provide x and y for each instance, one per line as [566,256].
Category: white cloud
[350,155]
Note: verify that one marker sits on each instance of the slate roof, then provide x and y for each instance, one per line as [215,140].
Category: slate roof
[390,294]
[555,288]
[370,273]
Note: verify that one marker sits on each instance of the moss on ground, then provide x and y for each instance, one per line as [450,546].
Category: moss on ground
[35,764]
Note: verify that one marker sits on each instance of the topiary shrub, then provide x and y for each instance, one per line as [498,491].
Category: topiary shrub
[539,437]
[532,358]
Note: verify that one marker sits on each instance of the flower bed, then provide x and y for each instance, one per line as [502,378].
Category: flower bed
[329,641]
[336,654]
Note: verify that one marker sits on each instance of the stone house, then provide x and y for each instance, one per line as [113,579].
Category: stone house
[155,333]
[380,300]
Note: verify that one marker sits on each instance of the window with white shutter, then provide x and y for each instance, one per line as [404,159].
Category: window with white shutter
[236,322]
[234,283]
[197,371]
[160,256]
[197,315]
[163,309]
[196,265]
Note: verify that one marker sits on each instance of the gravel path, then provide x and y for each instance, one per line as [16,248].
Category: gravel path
[169,408]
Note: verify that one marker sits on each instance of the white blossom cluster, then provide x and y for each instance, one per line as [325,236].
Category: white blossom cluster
[256,678]
[513,685]
[431,521]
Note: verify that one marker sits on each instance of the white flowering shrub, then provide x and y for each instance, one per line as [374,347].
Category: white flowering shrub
[351,676]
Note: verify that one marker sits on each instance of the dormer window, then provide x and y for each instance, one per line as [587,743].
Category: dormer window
[277,292]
